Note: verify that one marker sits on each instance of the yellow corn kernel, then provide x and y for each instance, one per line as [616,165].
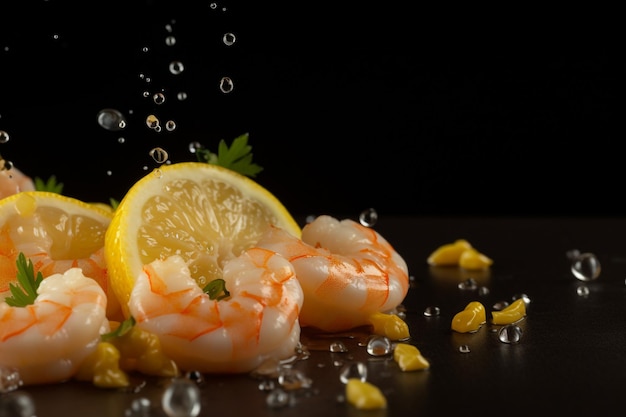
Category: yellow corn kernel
[473,260]
[102,368]
[364,395]
[470,319]
[448,254]
[409,358]
[512,313]
[389,325]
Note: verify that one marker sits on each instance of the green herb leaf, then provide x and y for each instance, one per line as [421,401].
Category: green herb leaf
[26,292]
[236,157]
[114,203]
[51,185]
[216,289]
[121,330]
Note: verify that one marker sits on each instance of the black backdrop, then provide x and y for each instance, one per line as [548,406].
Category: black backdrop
[404,109]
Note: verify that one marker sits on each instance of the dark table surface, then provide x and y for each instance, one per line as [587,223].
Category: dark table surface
[571,359]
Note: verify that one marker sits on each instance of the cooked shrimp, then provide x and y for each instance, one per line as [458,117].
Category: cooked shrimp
[48,340]
[347,272]
[257,321]
[12,181]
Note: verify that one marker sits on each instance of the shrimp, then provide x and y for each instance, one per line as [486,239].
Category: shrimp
[12,181]
[347,272]
[257,321]
[48,340]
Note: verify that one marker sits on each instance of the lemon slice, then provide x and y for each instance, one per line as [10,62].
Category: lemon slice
[55,232]
[203,212]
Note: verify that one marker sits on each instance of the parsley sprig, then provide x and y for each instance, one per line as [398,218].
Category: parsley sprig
[120,331]
[51,185]
[25,293]
[237,157]
[216,289]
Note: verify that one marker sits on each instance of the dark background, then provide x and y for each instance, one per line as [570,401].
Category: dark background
[401,108]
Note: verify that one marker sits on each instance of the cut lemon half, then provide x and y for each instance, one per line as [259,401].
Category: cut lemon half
[55,233]
[203,212]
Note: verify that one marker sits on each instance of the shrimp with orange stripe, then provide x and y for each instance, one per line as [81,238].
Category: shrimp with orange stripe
[255,318]
[347,272]
[48,340]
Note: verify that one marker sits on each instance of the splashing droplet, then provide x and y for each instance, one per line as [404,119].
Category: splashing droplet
[368,217]
[111,119]
[586,267]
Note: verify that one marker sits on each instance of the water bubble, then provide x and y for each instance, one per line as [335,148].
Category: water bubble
[464,349]
[483,291]
[368,217]
[181,398]
[17,404]
[152,121]
[159,155]
[145,49]
[228,38]
[181,96]
[432,311]
[194,147]
[511,333]
[586,267]
[176,67]
[159,98]
[338,347]
[468,284]
[353,370]
[139,407]
[226,85]
[170,41]
[4,136]
[379,346]
[111,119]
[170,125]
[582,290]
[121,139]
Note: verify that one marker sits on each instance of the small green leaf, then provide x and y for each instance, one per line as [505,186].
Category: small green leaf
[216,289]
[114,203]
[51,185]
[237,157]
[26,292]
[121,330]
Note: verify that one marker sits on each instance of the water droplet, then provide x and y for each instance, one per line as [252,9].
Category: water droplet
[10,379]
[228,38]
[170,41]
[524,297]
[483,291]
[5,165]
[159,98]
[586,267]
[293,379]
[353,370]
[139,407]
[379,346]
[432,311]
[194,147]
[582,290]
[145,49]
[572,254]
[181,398]
[111,119]
[276,398]
[159,155]
[226,85]
[121,139]
[152,121]
[468,284]
[170,125]
[368,217]
[500,305]
[196,377]
[4,136]
[266,385]
[338,347]
[181,96]
[176,67]
[464,349]
[511,333]
[17,404]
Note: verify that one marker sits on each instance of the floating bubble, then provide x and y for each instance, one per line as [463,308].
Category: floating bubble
[159,155]
[181,96]
[511,333]
[170,41]
[229,38]
[176,67]
[582,290]
[159,98]
[4,136]
[586,267]
[181,398]
[226,85]
[170,125]
[111,119]
[368,217]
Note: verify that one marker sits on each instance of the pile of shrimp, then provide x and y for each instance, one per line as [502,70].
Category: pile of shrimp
[333,278]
